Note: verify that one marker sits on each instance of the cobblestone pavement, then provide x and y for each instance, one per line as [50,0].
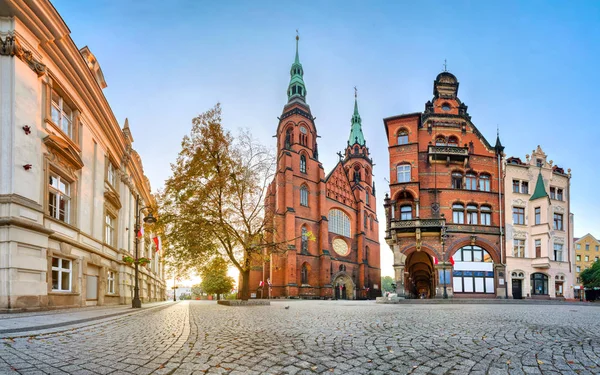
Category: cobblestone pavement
[321,337]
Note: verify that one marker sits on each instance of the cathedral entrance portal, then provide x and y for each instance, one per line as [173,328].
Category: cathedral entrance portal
[343,287]
[420,282]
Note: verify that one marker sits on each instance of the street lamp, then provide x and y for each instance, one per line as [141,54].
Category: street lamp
[443,236]
[136,302]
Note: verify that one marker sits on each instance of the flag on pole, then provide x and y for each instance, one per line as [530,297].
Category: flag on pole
[141,231]
[452,260]
[435,260]
[157,243]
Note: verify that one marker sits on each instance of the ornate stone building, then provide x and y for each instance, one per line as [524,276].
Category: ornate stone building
[587,251]
[338,209]
[69,174]
[539,228]
[444,213]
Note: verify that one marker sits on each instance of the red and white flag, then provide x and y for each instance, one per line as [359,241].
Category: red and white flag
[141,231]
[435,260]
[157,243]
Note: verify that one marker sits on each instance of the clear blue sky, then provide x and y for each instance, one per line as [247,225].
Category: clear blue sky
[529,67]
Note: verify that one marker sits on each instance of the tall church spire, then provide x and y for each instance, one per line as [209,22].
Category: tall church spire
[356,134]
[296,88]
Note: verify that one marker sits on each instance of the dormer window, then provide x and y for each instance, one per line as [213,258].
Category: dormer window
[446,107]
[539,163]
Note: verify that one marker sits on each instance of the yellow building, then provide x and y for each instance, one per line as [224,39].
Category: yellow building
[587,251]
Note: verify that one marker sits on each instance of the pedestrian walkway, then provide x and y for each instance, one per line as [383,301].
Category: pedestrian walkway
[20,323]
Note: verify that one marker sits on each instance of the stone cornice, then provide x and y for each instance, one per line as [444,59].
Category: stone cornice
[27,224]
[22,201]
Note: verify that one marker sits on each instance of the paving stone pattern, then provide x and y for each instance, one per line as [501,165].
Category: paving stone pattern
[324,337]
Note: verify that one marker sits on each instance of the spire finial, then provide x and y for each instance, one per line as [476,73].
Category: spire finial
[355,92]
[445,66]
[297,39]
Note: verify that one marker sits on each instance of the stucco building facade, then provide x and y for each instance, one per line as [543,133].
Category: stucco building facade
[444,212]
[539,228]
[69,174]
[587,251]
[327,221]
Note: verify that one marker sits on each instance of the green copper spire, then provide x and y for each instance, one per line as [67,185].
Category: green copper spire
[296,88]
[356,134]
[540,189]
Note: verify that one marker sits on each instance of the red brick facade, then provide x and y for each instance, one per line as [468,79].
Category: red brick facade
[443,178]
[341,260]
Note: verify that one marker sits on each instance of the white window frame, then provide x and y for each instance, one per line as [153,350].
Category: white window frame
[484,182]
[406,212]
[304,196]
[339,222]
[59,116]
[485,215]
[111,175]
[403,173]
[56,195]
[518,248]
[110,282]
[109,229]
[60,271]
[472,215]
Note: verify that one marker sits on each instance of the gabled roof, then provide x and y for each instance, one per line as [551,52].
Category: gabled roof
[587,235]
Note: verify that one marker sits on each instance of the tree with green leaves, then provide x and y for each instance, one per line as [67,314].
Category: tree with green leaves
[386,284]
[591,276]
[214,277]
[213,204]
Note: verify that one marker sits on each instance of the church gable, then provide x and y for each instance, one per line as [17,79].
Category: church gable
[338,187]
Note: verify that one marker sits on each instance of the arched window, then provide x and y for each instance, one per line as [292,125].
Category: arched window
[484,182]
[403,173]
[342,268]
[473,271]
[289,137]
[458,213]
[367,198]
[371,222]
[304,274]
[453,141]
[304,241]
[457,180]
[339,223]
[304,196]
[406,212]
[402,137]
[440,140]
[472,214]
[366,219]
[470,181]
[539,284]
[486,215]
[302,164]
[303,136]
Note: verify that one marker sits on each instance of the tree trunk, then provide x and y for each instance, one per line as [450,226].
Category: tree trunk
[218,296]
[245,285]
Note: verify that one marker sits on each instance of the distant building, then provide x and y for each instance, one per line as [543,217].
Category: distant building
[339,209]
[444,212]
[587,251]
[69,176]
[539,228]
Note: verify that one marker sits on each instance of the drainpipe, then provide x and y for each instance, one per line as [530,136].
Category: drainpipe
[502,257]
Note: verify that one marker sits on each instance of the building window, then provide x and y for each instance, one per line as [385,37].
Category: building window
[578,268]
[304,196]
[62,115]
[403,173]
[457,180]
[597,247]
[109,230]
[472,214]
[402,137]
[559,194]
[110,282]
[440,141]
[59,201]
[538,248]
[515,186]
[303,136]
[304,276]
[552,193]
[304,241]
[587,246]
[302,164]
[558,252]
[578,246]
[524,187]
[367,198]
[474,271]
[587,258]
[539,284]
[484,182]
[579,258]
[558,221]
[538,215]
[371,223]
[486,215]
[406,213]
[452,141]
[519,248]
[595,259]
[519,215]
[111,175]
[458,213]
[470,181]
[61,274]
[366,218]
[339,222]
[539,163]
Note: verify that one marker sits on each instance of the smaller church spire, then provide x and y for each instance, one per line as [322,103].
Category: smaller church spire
[498,147]
[356,134]
[297,88]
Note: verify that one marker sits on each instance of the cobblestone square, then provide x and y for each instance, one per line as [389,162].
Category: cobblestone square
[326,337]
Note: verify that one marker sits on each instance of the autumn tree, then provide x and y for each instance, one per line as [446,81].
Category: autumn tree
[214,201]
[214,277]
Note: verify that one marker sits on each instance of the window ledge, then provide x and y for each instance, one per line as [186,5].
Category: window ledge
[70,226]
[64,135]
[65,293]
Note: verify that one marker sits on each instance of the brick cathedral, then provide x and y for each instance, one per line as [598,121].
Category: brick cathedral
[327,222]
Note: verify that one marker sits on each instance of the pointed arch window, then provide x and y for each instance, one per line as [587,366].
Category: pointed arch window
[458,213]
[402,137]
[304,241]
[304,274]
[302,164]
[403,173]
[304,196]
[303,136]
[339,222]
[289,138]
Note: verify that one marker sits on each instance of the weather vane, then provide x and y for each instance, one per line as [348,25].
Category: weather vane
[355,92]
[297,34]
[445,66]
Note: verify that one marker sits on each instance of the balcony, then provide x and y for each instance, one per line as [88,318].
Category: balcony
[449,154]
[401,226]
[541,262]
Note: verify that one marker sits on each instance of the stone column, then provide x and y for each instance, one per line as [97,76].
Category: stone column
[399,273]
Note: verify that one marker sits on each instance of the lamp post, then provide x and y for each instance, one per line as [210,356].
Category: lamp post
[443,236]
[174,288]
[136,302]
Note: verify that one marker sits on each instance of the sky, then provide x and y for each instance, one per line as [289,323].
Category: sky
[528,68]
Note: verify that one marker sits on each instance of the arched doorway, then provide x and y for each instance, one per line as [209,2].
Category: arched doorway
[343,286]
[420,282]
